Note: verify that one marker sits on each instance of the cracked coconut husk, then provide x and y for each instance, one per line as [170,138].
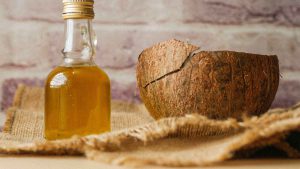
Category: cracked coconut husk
[176,78]
[137,139]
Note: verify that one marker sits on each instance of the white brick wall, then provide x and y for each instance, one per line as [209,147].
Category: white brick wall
[31,36]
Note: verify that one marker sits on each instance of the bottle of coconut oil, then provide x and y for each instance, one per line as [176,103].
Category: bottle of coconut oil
[77,93]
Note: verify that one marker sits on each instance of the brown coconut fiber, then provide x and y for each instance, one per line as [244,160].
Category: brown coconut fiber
[176,78]
[137,139]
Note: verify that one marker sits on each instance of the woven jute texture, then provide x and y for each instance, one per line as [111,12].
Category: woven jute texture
[137,139]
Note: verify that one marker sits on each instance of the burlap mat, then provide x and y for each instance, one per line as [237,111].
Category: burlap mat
[137,139]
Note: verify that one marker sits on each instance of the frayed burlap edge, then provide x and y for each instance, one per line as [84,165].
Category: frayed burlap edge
[270,135]
[95,146]
[146,133]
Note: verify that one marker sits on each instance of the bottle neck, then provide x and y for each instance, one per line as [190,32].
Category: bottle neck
[80,42]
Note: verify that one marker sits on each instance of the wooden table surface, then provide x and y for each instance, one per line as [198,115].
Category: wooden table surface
[33,162]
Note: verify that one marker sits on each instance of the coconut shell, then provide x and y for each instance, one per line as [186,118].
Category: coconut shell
[176,78]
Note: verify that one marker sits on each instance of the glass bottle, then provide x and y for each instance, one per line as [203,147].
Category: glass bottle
[77,93]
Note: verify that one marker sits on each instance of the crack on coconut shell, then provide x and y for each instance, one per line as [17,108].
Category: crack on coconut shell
[185,62]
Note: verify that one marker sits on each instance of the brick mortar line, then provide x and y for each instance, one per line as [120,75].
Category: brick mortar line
[168,26]
[201,27]
[290,75]
[146,23]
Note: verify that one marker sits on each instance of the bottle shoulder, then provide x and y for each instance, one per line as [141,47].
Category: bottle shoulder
[102,72]
[84,74]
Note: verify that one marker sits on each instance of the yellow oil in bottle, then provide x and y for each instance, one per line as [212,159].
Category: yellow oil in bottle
[77,102]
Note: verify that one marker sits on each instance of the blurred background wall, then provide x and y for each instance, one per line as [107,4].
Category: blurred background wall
[32,36]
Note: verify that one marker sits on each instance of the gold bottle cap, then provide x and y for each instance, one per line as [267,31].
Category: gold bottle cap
[78,9]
